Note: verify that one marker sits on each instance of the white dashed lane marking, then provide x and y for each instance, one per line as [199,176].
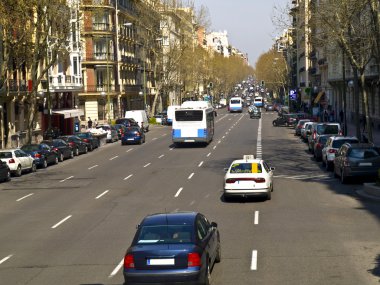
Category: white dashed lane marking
[178,192]
[129,176]
[93,167]
[101,195]
[68,178]
[26,196]
[61,222]
[254,260]
[5,258]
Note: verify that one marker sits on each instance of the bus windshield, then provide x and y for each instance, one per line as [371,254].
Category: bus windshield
[188,115]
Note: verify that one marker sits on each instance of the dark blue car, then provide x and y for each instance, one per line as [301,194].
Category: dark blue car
[42,153]
[173,248]
[133,135]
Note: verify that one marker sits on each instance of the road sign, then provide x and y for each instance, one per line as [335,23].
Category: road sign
[293,95]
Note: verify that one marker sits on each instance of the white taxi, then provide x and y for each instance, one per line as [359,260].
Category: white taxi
[248,177]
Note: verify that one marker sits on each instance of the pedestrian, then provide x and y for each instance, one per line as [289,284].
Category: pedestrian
[341,115]
[96,123]
[332,115]
[325,116]
[364,122]
[89,123]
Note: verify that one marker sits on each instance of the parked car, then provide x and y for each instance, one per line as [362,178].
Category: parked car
[91,141]
[43,154]
[356,160]
[18,161]
[133,135]
[332,146]
[121,129]
[306,131]
[5,172]
[173,248]
[285,120]
[63,149]
[319,145]
[140,117]
[78,146]
[248,177]
[300,125]
[269,107]
[322,129]
[112,135]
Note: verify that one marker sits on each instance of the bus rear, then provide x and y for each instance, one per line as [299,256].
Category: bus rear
[236,105]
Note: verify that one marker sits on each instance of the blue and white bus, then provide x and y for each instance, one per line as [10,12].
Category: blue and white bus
[236,105]
[193,123]
[258,102]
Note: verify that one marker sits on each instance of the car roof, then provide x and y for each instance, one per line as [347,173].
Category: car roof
[170,218]
[246,161]
[343,137]
[8,150]
[361,145]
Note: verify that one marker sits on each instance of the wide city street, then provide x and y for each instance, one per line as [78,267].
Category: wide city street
[72,223]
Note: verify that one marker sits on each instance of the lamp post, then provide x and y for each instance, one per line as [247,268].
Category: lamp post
[2,125]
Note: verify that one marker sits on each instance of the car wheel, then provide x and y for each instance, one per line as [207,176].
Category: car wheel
[140,141]
[71,154]
[56,160]
[327,166]
[208,275]
[91,148]
[76,152]
[269,195]
[8,175]
[18,171]
[218,257]
[34,167]
[61,157]
[86,149]
[44,164]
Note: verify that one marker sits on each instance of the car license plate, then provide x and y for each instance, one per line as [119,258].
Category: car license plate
[189,140]
[160,261]
[365,164]
[131,139]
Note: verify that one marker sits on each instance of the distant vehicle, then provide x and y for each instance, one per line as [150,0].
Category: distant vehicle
[248,177]
[236,105]
[170,113]
[254,112]
[18,161]
[133,135]
[331,148]
[258,102]
[140,117]
[223,102]
[173,248]
[5,172]
[269,107]
[112,134]
[63,149]
[128,122]
[42,153]
[76,144]
[193,122]
[92,142]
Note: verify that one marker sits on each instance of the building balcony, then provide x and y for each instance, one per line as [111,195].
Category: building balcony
[101,88]
[130,60]
[65,82]
[98,57]
[99,27]
[98,3]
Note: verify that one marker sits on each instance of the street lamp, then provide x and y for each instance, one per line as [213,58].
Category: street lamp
[2,125]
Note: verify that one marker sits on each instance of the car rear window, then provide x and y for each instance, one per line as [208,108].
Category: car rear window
[327,129]
[363,153]
[246,168]
[83,135]
[165,234]
[339,143]
[5,155]
[323,140]
[32,147]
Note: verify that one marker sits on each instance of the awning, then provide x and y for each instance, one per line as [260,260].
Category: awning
[69,113]
[319,96]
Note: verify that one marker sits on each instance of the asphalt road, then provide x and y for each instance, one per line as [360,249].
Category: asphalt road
[71,223]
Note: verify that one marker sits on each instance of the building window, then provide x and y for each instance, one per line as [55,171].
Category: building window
[75,65]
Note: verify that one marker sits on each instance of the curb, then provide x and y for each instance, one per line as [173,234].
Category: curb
[370,192]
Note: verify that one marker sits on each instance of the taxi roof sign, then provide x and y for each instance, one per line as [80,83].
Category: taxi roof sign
[248,157]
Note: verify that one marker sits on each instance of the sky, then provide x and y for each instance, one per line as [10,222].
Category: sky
[248,23]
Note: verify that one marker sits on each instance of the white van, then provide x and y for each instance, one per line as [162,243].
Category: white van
[140,117]
[170,113]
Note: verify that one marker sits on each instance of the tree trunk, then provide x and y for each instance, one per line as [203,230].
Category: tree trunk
[367,114]
[356,102]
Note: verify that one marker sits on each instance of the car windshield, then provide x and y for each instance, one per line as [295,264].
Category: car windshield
[363,153]
[235,101]
[189,115]
[246,168]
[339,143]
[133,129]
[5,155]
[31,147]
[327,129]
[165,234]
[83,135]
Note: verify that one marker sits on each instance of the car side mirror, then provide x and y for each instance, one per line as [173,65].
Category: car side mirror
[225,169]
[214,225]
[272,168]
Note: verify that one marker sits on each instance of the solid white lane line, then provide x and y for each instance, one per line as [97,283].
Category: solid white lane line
[129,176]
[200,164]
[171,148]
[178,192]
[214,147]
[68,178]
[101,195]
[256,218]
[161,156]
[22,198]
[192,203]
[146,165]
[191,176]
[112,158]
[209,154]
[93,167]
[153,139]
[116,270]
[5,258]
[61,222]
[254,260]
[129,150]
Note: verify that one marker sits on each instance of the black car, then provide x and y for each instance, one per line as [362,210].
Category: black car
[254,112]
[5,173]
[128,122]
[42,153]
[91,141]
[173,248]
[285,120]
[76,144]
[63,149]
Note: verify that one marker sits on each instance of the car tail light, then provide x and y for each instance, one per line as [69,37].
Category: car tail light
[86,140]
[331,150]
[11,160]
[318,145]
[314,135]
[37,155]
[72,144]
[299,126]
[193,259]
[129,261]
[340,133]
[257,180]
[55,149]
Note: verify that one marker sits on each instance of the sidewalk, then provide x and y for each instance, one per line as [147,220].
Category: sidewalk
[351,131]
